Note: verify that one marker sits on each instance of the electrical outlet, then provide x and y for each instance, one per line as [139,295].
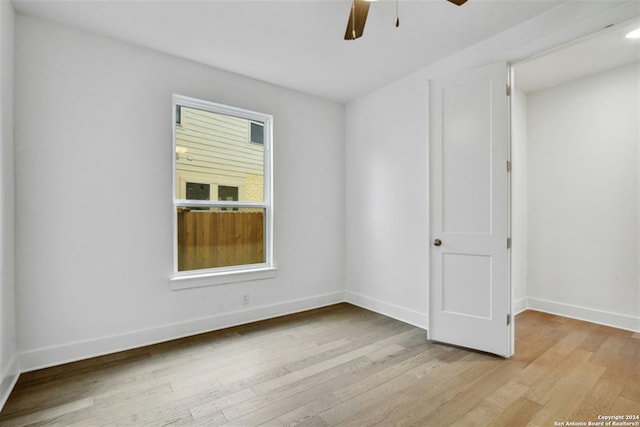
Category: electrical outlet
[245,299]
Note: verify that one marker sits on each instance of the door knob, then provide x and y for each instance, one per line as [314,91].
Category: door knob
[437,242]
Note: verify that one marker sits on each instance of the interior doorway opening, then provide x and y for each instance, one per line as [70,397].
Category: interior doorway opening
[576,179]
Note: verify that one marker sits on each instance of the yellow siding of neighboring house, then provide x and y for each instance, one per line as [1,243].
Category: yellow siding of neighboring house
[216,149]
[254,187]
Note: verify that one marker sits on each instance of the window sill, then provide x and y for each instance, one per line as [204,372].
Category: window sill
[194,280]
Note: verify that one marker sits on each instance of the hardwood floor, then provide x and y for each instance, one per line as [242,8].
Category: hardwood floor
[342,365]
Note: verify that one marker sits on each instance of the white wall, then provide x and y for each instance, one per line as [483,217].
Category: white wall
[387,206]
[8,360]
[94,203]
[583,140]
[387,214]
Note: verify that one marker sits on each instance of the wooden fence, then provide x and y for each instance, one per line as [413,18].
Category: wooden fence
[219,239]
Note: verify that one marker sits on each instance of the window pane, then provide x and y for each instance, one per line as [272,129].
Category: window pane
[217,150]
[257,133]
[227,194]
[197,191]
[216,238]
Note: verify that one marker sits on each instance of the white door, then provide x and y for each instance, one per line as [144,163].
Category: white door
[470,295]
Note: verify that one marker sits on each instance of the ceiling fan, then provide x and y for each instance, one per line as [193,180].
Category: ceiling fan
[358,17]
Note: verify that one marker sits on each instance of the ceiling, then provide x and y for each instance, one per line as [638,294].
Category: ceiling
[605,50]
[297,43]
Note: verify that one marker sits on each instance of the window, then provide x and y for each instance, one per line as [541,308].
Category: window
[228,194]
[178,114]
[222,194]
[257,133]
[198,191]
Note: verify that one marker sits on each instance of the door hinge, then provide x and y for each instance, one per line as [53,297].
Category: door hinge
[508,90]
[508,242]
[508,319]
[508,166]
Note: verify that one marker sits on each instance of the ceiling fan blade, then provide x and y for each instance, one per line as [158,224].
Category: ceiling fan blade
[357,19]
[458,2]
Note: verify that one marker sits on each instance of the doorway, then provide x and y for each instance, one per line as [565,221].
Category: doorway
[576,180]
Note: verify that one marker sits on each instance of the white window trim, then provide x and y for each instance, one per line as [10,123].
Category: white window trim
[241,273]
[206,278]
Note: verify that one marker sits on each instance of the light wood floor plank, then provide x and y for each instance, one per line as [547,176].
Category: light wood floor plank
[599,400]
[568,393]
[519,413]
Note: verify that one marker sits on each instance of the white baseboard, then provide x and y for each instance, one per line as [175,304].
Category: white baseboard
[412,317]
[620,321]
[519,306]
[52,356]
[8,379]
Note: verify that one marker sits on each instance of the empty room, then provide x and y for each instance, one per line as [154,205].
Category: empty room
[319,212]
